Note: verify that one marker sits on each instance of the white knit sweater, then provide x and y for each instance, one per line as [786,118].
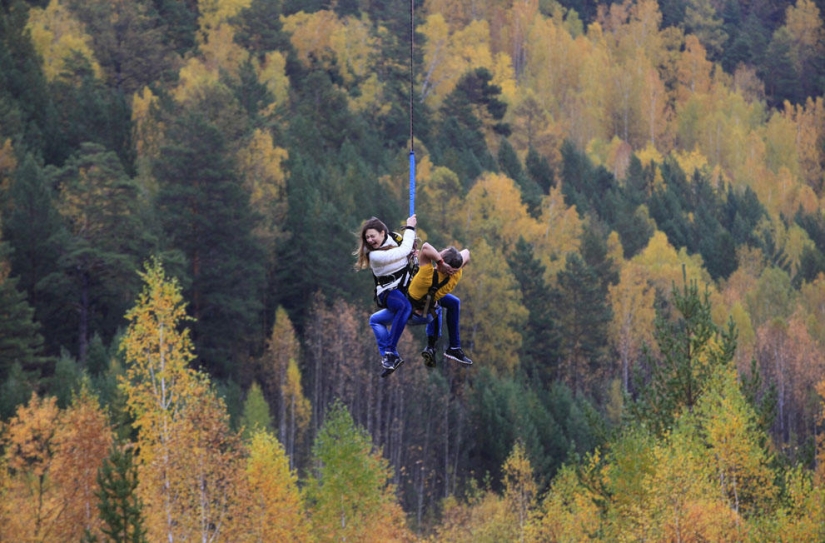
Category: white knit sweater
[388,261]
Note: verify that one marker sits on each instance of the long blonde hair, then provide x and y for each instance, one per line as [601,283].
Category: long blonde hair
[362,252]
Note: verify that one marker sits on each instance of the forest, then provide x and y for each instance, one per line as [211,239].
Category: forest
[184,343]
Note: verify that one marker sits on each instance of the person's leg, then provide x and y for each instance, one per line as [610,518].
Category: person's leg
[433,333]
[379,322]
[398,303]
[434,324]
[453,306]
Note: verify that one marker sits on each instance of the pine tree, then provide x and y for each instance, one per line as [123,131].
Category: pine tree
[206,215]
[101,244]
[510,164]
[20,339]
[692,347]
[460,140]
[584,317]
[31,225]
[540,339]
[539,170]
[120,508]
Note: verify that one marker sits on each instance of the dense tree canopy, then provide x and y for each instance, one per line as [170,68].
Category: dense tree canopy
[184,347]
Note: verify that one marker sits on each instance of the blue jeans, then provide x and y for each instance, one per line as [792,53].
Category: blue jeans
[453,306]
[394,316]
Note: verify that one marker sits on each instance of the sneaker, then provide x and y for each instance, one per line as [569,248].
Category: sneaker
[391,361]
[455,353]
[429,357]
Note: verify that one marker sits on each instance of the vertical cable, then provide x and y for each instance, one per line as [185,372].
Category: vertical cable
[412,140]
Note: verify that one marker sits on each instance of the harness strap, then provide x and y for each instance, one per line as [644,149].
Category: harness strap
[387,279]
[428,301]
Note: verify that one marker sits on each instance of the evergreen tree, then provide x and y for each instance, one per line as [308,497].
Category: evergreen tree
[15,390]
[31,225]
[779,71]
[742,213]
[119,505]
[89,111]
[101,244]
[747,39]
[585,185]
[510,164]
[259,28]
[540,339]
[20,340]
[27,112]
[460,143]
[584,317]
[65,382]
[130,43]
[251,94]
[181,22]
[692,347]
[539,170]
[206,215]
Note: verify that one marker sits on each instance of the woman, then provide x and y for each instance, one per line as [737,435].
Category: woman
[388,261]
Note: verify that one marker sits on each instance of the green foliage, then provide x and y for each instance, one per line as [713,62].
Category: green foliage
[460,143]
[20,339]
[66,380]
[554,426]
[15,389]
[206,215]
[31,225]
[129,42]
[119,505]
[510,164]
[539,170]
[348,495]
[704,220]
[540,339]
[259,28]
[691,347]
[27,112]
[780,73]
[180,20]
[583,326]
[256,416]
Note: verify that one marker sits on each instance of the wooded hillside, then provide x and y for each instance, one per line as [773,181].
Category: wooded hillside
[184,343]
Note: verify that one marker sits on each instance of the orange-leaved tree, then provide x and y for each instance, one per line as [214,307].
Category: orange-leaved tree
[30,508]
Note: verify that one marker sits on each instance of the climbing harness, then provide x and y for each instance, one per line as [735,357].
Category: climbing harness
[428,303]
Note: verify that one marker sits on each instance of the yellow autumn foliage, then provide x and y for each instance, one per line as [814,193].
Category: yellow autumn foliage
[57,35]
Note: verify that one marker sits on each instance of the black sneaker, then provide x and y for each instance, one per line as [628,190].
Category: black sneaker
[388,361]
[391,361]
[429,357]
[396,360]
[455,353]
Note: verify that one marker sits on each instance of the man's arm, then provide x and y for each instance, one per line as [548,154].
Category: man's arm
[465,255]
[428,254]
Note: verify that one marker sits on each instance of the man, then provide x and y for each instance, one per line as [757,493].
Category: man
[429,293]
